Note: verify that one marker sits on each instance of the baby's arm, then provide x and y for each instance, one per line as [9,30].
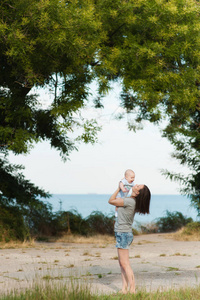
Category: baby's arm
[121,186]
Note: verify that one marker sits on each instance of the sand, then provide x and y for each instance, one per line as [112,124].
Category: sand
[158,263]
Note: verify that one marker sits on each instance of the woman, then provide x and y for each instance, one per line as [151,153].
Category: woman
[138,202]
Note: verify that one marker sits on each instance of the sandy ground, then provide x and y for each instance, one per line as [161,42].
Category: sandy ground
[157,262]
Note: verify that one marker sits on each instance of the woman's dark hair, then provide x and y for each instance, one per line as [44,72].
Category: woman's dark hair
[143,201]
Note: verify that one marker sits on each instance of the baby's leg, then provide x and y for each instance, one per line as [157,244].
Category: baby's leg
[116,213]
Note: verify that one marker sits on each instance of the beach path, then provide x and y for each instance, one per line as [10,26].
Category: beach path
[158,263]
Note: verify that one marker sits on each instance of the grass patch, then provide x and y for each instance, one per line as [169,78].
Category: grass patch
[77,290]
[170,269]
[100,239]
[70,266]
[146,242]
[191,232]
[176,254]
[49,277]
[87,253]
[179,254]
[17,244]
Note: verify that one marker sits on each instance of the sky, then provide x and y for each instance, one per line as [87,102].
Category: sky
[99,168]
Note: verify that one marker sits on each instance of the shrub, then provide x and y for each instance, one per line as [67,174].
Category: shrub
[12,224]
[39,219]
[100,223]
[172,221]
[135,231]
[71,222]
[192,228]
[149,228]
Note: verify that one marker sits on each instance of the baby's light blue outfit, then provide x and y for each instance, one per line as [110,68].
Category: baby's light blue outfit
[127,186]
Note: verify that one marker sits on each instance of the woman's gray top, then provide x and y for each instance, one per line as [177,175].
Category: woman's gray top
[124,220]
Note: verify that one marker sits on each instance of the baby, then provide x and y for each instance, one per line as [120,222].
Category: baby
[125,185]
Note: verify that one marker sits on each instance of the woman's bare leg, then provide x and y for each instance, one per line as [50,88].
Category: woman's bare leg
[127,273]
[124,281]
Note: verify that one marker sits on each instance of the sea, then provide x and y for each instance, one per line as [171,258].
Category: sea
[85,204]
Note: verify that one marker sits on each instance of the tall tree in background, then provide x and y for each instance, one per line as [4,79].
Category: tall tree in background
[186,140]
[159,59]
[43,43]
[155,51]
[151,46]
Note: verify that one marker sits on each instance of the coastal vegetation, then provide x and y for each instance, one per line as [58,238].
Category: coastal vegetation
[44,225]
[191,232]
[172,221]
[151,48]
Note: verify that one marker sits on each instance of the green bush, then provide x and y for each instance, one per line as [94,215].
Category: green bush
[135,231]
[149,228]
[39,219]
[100,223]
[192,228]
[12,224]
[172,221]
[70,222]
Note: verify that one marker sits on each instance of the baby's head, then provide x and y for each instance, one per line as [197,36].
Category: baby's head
[129,175]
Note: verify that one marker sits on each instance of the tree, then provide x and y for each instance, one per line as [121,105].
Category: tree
[45,42]
[22,211]
[186,141]
[156,53]
[42,43]
[152,47]
[161,77]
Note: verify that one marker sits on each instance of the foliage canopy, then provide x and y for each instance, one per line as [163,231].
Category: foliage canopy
[151,46]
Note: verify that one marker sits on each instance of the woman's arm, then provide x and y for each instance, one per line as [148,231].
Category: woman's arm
[116,201]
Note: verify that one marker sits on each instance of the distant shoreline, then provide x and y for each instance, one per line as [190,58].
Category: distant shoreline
[85,204]
[110,194]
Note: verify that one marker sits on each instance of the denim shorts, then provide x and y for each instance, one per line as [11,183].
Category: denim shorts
[123,239]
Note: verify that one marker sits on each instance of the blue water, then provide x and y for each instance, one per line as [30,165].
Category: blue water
[87,203]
